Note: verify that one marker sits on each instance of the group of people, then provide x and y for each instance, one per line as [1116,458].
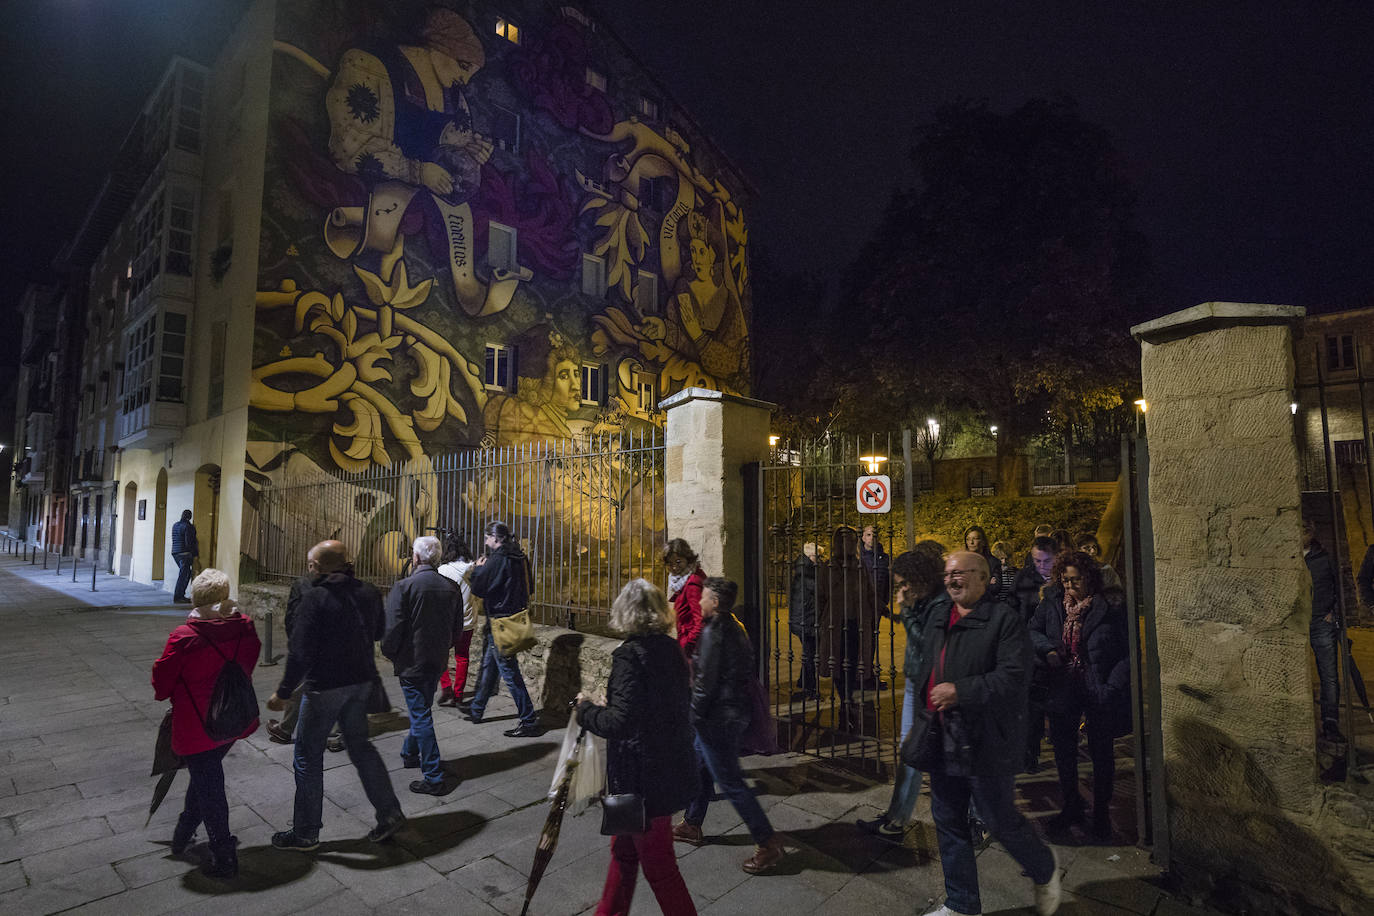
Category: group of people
[994,648]
[330,682]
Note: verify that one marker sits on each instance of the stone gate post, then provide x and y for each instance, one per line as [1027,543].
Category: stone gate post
[1232,606]
[710,436]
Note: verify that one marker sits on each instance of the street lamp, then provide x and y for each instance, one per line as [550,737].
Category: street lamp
[872,461]
[993,429]
[1143,404]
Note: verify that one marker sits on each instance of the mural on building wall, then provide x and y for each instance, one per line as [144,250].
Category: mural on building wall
[431,189]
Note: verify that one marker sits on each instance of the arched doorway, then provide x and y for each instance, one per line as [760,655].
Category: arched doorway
[126,534]
[206,512]
[160,527]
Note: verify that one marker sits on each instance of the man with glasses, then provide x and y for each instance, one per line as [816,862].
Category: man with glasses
[973,678]
[1032,585]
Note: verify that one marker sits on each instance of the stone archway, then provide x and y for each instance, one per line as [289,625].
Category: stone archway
[126,534]
[205,510]
[160,527]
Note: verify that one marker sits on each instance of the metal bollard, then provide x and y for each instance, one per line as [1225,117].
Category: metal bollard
[95,562]
[73,565]
[59,561]
[267,659]
[45,556]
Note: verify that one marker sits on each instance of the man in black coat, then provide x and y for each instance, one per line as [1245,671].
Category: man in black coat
[801,619]
[974,676]
[1031,586]
[502,581]
[337,620]
[420,614]
[1324,631]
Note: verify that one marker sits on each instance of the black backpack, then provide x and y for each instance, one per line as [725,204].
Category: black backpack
[233,702]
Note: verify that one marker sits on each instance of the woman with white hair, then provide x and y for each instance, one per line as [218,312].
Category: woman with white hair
[214,634]
[648,747]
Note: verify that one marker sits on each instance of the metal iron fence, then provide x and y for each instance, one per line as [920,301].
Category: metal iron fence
[589,512]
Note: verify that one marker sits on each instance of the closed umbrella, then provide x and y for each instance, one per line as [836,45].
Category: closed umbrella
[165,765]
[548,837]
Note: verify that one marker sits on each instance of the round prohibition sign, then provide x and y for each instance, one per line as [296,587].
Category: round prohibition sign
[873,493]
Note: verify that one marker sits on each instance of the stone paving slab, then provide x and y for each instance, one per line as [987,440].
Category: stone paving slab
[77,723]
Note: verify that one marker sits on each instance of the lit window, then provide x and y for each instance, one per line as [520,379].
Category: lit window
[648,108]
[500,246]
[593,275]
[592,380]
[646,293]
[596,79]
[496,374]
[508,30]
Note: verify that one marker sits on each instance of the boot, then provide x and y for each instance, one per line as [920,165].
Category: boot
[446,697]
[185,833]
[224,860]
[765,856]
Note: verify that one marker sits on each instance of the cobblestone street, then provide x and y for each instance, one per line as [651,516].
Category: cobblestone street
[77,723]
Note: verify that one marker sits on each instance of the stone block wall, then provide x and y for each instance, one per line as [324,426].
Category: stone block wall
[1248,819]
[560,665]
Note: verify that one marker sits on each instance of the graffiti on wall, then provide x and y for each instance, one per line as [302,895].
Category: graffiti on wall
[431,191]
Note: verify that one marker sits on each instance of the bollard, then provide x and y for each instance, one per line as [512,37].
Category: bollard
[95,561]
[45,556]
[73,565]
[267,659]
[59,561]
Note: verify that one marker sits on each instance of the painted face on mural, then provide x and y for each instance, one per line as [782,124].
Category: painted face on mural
[565,391]
[450,71]
[703,259]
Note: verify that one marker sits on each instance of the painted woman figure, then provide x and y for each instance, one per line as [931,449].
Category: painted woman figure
[547,394]
[705,321]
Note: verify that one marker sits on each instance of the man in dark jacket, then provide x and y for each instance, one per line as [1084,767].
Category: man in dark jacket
[801,619]
[331,654]
[420,616]
[184,552]
[1031,586]
[1324,631]
[502,581]
[973,678]
[721,711]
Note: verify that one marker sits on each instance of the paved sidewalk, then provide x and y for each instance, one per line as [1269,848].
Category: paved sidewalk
[77,723]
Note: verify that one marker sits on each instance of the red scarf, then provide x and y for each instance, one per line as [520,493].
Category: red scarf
[1074,612]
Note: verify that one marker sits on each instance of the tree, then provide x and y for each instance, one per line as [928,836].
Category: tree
[1003,284]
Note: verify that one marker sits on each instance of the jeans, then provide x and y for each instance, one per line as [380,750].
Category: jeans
[420,741]
[653,851]
[205,800]
[320,709]
[1324,637]
[1064,735]
[906,788]
[495,665]
[459,679]
[995,795]
[184,563]
[718,751]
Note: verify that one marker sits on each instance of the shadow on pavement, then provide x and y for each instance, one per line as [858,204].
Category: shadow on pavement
[475,766]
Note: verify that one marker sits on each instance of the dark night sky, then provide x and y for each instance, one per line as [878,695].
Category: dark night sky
[1249,127]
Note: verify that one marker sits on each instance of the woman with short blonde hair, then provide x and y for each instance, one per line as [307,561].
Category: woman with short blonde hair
[641,608]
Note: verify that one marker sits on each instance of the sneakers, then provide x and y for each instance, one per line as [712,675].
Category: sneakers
[690,834]
[288,839]
[384,830]
[765,856]
[425,787]
[1047,895]
[946,911]
[882,828]
[276,733]
[524,731]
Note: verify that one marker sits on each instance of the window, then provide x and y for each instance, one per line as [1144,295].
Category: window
[505,130]
[508,30]
[497,373]
[646,293]
[173,357]
[647,392]
[137,387]
[214,399]
[500,246]
[1349,451]
[593,275]
[1340,352]
[182,219]
[593,380]
[658,193]
[147,263]
[188,113]
[596,79]
[648,108]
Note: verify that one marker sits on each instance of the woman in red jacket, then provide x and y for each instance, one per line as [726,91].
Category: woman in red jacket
[685,579]
[214,633]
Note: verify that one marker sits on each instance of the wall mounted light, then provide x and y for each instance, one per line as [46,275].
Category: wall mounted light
[872,462]
[1294,408]
[1143,404]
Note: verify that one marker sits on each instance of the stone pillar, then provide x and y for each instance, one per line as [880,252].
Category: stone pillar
[710,436]
[1232,594]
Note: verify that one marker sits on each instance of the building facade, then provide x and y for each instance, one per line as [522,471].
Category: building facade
[363,236]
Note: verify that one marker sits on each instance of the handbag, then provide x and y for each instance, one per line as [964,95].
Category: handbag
[923,748]
[623,815]
[513,634]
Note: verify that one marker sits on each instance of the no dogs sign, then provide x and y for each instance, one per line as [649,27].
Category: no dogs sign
[874,493]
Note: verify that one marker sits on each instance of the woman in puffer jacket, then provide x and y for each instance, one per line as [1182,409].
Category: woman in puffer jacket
[214,634]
